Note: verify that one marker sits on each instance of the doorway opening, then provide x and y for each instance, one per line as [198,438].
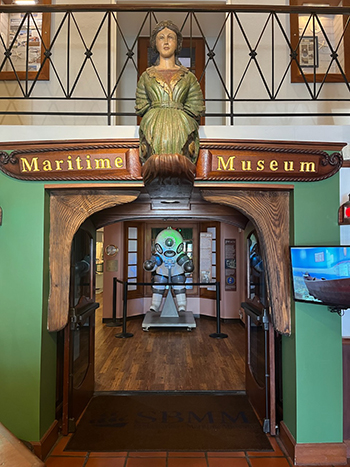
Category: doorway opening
[173,359]
[123,215]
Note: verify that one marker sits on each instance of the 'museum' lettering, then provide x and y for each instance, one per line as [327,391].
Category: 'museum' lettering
[228,165]
[233,163]
[307,167]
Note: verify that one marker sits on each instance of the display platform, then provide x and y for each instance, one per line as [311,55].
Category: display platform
[169,317]
[185,319]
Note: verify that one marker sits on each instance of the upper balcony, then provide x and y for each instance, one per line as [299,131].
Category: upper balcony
[257,64]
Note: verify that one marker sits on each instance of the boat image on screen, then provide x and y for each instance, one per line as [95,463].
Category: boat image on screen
[321,275]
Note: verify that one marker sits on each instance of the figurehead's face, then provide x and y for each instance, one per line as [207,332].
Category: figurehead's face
[160,28]
[166,42]
[169,243]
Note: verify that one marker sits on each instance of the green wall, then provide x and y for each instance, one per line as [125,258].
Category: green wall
[312,356]
[26,348]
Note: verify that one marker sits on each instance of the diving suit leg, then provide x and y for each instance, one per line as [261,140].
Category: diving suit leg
[180,291]
[158,289]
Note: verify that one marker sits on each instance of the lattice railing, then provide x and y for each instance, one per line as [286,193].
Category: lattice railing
[252,61]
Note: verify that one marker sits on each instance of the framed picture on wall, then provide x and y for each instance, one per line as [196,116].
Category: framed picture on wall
[308,52]
[320,44]
[230,264]
[24,39]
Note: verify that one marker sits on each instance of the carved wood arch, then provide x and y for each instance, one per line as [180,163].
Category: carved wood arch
[69,208]
[269,212]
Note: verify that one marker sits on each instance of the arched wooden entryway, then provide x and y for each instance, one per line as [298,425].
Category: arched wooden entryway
[269,211]
[266,207]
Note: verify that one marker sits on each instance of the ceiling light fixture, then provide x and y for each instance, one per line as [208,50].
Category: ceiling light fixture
[25,2]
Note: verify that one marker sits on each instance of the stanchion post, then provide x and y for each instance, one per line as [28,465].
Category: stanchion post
[218,334]
[124,334]
[114,323]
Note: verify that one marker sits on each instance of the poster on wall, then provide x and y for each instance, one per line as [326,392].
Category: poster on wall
[205,262]
[230,264]
[24,41]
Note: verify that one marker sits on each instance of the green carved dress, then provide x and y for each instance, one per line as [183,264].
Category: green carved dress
[170,103]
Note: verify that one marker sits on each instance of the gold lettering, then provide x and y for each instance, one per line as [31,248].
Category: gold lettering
[246,165]
[260,165]
[118,162]
[70,165]
[288,166]
[47,165]
[274,165]
[104,162]
[78,159]
[228,165]
[58,164]
[88,162]
[29,167]
[307,167]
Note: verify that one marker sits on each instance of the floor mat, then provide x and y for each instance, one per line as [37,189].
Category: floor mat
[168,421]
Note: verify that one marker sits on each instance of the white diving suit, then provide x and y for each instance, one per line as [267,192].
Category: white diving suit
[169,263]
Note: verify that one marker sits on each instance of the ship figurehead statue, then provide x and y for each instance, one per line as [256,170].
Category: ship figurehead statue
[170,102]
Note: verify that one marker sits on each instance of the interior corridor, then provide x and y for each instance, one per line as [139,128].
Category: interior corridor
[169,360]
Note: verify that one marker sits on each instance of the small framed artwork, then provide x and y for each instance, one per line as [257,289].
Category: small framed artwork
[320,43]
[309,52]
[24,42]
[230,264]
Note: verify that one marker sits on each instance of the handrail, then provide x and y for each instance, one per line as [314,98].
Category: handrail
[175,7]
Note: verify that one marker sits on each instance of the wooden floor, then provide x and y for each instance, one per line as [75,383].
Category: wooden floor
[168,360]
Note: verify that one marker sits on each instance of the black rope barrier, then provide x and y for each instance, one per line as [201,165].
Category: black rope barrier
[124,334]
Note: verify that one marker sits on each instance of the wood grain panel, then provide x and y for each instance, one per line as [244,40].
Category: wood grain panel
[198,209]
[43,447]
[68,210]
[312,453]
[269,212]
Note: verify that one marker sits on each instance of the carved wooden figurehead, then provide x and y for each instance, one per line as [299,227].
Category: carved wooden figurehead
[169,178]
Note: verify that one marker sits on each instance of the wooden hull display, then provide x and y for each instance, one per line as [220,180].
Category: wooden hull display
[334,292]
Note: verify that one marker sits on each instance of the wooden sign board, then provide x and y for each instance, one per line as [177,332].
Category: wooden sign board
[218,160]
[93,160]
[268,161]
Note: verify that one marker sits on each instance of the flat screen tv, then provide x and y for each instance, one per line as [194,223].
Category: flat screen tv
[321,274]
